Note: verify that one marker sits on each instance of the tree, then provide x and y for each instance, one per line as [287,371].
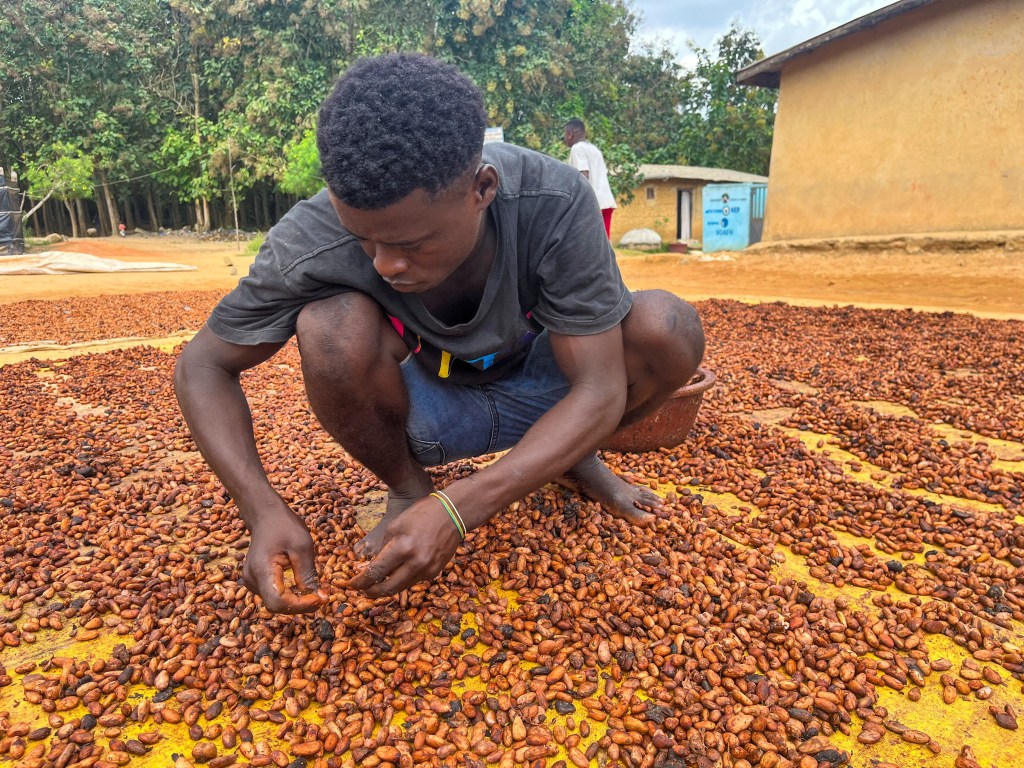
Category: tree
[209,102]
[185,161]
[81,71]
[301,175]
[723,124]
[63,172]
[650,87]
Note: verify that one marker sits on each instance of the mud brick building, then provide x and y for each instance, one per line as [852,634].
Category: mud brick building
[908,120]
[670,201]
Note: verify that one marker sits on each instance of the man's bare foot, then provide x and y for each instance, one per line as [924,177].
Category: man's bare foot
[371,544]
[592,478]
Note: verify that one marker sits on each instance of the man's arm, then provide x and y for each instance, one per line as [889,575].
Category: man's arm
[421,542]
[206,380]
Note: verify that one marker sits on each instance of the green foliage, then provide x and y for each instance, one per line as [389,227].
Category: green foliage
[61,170]
[212,101]
[186,163]
[623,171]
[723,124]
[301,175]
[254,244]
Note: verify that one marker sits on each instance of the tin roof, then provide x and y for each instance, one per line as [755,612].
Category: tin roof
[768,72]
[697,173]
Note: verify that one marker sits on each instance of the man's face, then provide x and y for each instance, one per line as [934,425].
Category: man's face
[417,243]
[568,137]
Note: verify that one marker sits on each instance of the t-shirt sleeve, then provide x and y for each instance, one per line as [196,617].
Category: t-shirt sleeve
[265,304]
[581,289]
[261,308]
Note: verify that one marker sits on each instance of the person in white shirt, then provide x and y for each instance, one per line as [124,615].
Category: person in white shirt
[588,160]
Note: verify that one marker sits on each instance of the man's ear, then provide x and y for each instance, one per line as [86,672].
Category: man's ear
[485,185]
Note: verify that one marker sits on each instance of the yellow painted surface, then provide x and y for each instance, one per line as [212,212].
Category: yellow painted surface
[55,646]
[1009,456]
[911,126]
[44,351]
[966,720]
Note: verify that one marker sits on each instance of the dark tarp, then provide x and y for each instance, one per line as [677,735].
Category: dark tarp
[11,239]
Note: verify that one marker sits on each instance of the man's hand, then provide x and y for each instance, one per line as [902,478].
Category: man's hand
[281,542]
[417,545]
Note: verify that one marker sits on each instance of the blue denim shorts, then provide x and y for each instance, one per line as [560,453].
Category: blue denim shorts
[456,421]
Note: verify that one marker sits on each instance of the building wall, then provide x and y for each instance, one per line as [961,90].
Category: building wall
[912,126]
[659,214]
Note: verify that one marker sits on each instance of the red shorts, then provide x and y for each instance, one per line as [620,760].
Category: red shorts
[607,213]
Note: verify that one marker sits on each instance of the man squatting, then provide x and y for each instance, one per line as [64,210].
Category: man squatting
[449,300]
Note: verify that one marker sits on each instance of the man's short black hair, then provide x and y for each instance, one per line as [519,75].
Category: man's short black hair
[577,125]
[398,123]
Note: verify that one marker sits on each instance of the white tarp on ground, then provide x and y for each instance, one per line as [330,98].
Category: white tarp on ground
[68,262]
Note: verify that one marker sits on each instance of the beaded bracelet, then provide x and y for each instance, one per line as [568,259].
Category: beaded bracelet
[452,511]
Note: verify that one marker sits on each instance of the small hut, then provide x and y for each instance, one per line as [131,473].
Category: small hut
[670,201]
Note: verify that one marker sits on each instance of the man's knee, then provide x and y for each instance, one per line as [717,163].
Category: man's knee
[663,336]
[342,331]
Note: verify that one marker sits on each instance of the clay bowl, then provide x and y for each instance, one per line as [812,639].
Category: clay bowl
[668,426]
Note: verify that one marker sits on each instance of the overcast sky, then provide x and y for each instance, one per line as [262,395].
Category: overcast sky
[780,24]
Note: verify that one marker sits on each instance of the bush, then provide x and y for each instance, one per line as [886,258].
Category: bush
[254,244]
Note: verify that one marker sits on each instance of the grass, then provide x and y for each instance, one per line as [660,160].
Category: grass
[254,244]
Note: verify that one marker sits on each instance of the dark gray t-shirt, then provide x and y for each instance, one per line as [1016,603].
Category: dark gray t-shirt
[554,268]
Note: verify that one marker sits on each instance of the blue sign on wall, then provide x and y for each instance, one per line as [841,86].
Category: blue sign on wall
[727,216]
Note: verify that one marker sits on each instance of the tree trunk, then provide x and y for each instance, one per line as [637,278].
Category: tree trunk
[255,200]
[202,213]
[83,220]
[45,213]
[108,197]
[70,226]
[57,214]
[129,218]
[175,214]
[154,217]
[74,222]
[102,218]
[268,219]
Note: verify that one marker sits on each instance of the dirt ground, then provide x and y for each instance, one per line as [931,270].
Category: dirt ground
[988,282]
[219,266]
